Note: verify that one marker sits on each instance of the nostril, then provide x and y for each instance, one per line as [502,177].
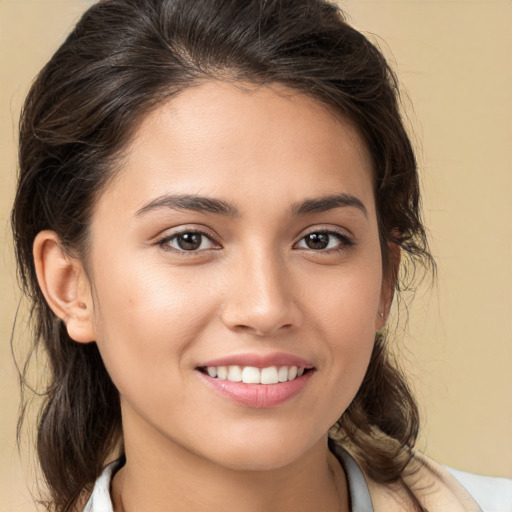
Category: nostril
[241,327]
[260,314]
[261,330]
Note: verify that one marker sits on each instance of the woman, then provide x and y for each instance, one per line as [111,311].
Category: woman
[213,202]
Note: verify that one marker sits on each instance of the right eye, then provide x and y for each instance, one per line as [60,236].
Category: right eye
[188,241]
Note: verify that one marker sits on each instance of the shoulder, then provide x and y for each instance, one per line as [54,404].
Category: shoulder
[433,486]
[494,494]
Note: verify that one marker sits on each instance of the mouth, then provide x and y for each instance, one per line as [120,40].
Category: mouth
[253,375]
[255,383]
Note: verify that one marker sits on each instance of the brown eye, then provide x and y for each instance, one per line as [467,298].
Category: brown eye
[188,241]
[324,241]
[317,241]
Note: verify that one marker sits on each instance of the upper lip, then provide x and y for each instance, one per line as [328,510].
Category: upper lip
[259,360]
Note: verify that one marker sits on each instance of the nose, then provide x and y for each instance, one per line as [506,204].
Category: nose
[260,298]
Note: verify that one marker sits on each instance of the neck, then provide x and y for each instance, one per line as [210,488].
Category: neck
[173,478]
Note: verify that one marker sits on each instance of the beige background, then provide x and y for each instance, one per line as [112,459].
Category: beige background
[454,59]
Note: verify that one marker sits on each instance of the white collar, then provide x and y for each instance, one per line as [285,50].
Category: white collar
[100,500]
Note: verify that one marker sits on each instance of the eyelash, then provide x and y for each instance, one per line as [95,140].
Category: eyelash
[165,241]
[344,242]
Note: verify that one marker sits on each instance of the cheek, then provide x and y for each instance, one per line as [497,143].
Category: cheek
[346,311]
[348,301]
[145,315]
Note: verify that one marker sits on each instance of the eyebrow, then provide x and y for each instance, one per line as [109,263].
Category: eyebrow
[219,207]
[191,202]
[329,202]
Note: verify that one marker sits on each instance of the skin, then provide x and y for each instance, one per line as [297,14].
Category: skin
[157,312]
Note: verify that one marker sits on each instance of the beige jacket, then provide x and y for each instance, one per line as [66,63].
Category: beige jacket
[434,487]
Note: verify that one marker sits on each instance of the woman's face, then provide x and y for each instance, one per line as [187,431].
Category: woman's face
[239,237]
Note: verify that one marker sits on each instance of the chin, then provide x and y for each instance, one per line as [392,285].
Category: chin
[263,452]
[255,460]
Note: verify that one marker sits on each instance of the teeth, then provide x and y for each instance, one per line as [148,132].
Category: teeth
[222,372]
[253,375]
[269,375]
[282,374]
[234,373]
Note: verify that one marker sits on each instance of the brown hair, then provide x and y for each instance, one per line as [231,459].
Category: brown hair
[121,60]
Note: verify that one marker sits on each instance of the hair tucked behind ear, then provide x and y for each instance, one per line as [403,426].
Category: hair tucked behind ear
[125,57]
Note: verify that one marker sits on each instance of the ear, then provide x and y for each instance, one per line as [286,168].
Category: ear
[388,284]
[65,286]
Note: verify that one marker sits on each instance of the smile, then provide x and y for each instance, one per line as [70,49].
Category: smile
[255,387]
[254,375]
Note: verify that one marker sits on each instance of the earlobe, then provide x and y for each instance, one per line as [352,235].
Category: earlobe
[388,284]
[65,286]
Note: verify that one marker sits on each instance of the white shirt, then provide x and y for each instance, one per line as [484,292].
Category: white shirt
[492,494]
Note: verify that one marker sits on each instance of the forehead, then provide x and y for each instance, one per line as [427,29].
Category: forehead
[237,139]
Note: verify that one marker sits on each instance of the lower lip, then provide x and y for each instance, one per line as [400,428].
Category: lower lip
[258,396]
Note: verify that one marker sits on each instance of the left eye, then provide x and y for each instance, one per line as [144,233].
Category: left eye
[322,240]
[189,241]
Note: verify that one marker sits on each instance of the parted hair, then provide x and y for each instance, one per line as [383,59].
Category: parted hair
[122,59]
